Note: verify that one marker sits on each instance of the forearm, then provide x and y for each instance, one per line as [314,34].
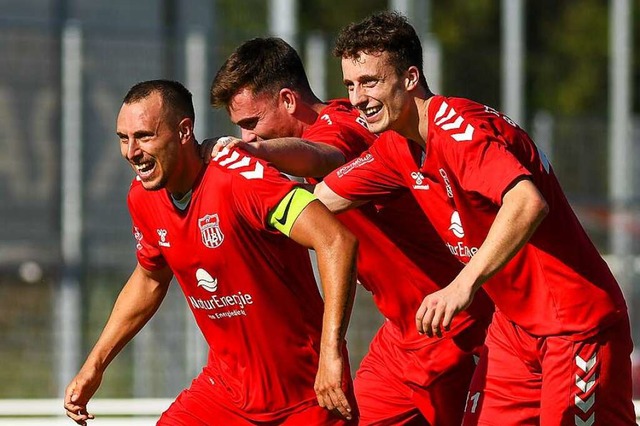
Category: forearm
[336,250]
[298,157]
[522,211]
[138,300]
[337,268]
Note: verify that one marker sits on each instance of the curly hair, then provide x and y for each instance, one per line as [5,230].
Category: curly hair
[387,32]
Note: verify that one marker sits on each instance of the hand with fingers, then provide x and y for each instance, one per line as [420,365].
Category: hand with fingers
[78,394]
[209,148]
[438,309]
[328,386]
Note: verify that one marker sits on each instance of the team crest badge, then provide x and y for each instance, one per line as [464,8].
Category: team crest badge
[209,225]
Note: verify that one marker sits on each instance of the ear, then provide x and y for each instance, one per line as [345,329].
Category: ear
[412,78]
[185,130]
[287,98]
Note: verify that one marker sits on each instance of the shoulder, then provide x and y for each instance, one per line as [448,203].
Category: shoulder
[340,106]
[391,143]
[137,191]
[237,164]
[340,112]
[462,120]
[144,204]
[242,171]
[456,119]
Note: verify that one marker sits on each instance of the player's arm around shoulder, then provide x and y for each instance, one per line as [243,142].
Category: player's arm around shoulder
[294,156]
[138,300]
[308,222]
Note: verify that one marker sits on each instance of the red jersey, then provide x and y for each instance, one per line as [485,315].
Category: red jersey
[558,283]
[250,288]
[397,264]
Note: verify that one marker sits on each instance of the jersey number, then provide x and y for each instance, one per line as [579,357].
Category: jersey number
[474,402]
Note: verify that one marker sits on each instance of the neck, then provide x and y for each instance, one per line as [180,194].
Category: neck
[416,127]
[308,112]
[187,173]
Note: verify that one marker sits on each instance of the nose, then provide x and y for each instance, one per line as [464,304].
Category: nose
[248,135]
[133,149]
[357,97]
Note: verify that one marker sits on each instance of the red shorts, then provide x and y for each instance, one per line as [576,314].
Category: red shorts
[422,386]
[526,380]
[199,406]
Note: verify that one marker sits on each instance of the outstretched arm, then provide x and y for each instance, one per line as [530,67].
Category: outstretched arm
[138,301]
[522,210]
[294,156]
[336,249]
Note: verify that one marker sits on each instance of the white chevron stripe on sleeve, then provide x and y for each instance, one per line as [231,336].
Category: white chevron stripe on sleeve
[441,111]
[233,157]
[455,125]
[448,117]
[242,163]
[257,173]
[466,136]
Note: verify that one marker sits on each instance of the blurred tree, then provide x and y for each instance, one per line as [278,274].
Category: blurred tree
[567,53]
[567,60]
[566,47]
[240,21]
[323,17]
[469,33]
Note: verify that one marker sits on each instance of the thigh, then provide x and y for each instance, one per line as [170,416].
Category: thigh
[441,373]
[506,385]
[383,397]
[313,416]
[197,406]
[589,381]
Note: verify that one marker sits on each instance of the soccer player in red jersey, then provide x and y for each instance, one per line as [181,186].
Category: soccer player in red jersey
[558,348]
[235,234]
[405,379]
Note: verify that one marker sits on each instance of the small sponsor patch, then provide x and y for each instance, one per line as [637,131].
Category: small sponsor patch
[352,165]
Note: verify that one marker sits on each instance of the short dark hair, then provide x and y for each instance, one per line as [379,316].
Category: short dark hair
[176,98]
[263,65]
[383,32]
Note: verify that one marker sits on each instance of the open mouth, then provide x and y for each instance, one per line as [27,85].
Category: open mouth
[145,169]
[371,111]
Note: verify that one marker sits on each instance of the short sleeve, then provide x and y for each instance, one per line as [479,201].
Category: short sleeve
[367,177]
[485,164]
[257,187]
[147,253]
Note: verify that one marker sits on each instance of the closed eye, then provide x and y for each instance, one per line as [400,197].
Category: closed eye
[369,83]
[248,123]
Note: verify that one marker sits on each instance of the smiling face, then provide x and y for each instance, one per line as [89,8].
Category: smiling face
[375,88]
[149,141]
[261,116]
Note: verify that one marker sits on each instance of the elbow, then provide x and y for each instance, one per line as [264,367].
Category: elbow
[346,243]
[332,161]
[324,194]
[542,209]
